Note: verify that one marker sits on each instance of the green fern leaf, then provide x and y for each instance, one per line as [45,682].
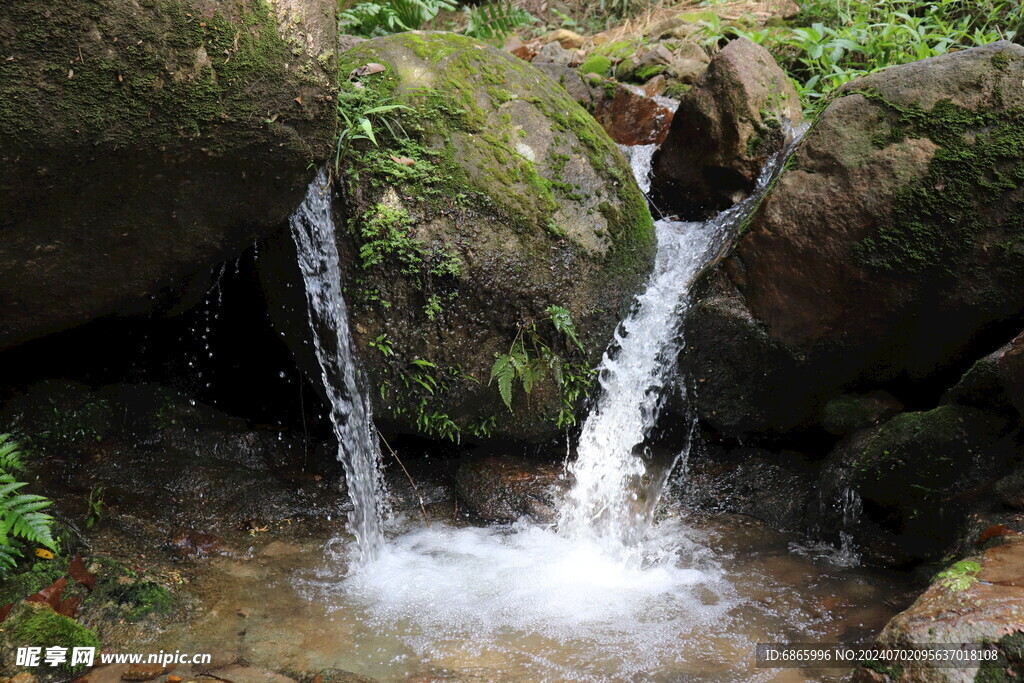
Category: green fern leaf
[504,372]
[10,455]
[562,320]
[496,20]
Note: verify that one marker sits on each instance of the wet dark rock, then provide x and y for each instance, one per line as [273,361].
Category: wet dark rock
[849,413]
[150,446]
[224,116]
[1010,489]
[190,543]
[829,268]
[775,488]
[743,379]
[725,129]
[980,601]
[503,489]
[915,475]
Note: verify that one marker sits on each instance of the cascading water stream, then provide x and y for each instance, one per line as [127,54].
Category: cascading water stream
[313,230]
[610,503]
[607,595]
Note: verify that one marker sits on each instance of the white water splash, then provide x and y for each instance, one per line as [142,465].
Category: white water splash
[351,416]
[613,499]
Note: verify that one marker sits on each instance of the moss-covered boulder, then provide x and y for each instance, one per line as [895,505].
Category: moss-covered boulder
[145,142]
[495,218]
[892,247]
[914,477]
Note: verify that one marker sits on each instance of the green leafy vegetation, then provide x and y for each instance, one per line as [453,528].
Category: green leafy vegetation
[427,385]
[489,21]
[530,360]
[494,21]
[839,41]
[21,518]
[960,576]
[391,16]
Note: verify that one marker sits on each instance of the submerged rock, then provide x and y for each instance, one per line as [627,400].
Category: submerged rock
[891,248]
[146,142]
[724,131]
[494,214]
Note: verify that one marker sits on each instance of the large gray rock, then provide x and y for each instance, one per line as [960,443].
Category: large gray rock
[141,143]
[892,247]
[725,129]
[504,198]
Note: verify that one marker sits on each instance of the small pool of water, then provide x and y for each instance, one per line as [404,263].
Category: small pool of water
[522,603]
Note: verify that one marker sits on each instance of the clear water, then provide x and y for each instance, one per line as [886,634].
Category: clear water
[312,227]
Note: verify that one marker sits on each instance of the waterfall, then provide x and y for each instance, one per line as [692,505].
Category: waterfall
[614,496]
[313,230]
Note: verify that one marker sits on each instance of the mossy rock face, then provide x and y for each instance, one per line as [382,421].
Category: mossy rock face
[144,142]
[892,247]
[914,475]
[491,197]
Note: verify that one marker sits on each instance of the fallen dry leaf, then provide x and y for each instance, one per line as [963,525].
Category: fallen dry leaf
[69,608]
[4,611]
[51,594]
[996,530]
[79,573]
[366,70]
[299,100]
[403,161]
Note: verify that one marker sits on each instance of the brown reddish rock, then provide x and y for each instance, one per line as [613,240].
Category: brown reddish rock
[977,601]
[632,117]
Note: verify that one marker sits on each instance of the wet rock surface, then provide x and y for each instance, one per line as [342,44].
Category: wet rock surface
[503,489]
[916,475]
[776,488]
[224,116]
[978,601]
[724,131]
[871,260]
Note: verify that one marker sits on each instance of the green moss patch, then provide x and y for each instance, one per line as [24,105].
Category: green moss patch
[36,625]
[972,190]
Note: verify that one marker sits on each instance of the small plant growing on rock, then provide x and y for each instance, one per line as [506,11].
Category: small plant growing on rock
[960,576]
[530,359]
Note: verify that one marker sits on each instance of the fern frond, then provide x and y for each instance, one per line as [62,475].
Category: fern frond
[504,372]
[562,320]
[496,20]
[8,556]
[10,455]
